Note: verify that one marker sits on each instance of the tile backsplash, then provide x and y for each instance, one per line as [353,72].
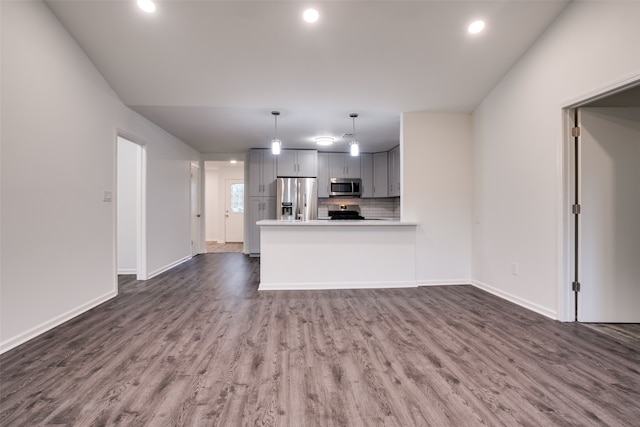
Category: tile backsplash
[369,208]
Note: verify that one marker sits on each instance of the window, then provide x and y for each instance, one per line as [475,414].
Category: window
[237,198]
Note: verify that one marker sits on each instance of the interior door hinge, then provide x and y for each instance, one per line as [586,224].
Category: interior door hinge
[576,209]
[575,131]
[575,286]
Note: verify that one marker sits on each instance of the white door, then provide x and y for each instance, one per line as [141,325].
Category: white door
[234,210]
[195,209]
[609,252]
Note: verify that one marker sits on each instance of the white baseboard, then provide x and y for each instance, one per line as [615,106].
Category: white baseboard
[444,282]
[168,267]
[317,286]
[56,321]
[516,300]
[127,271]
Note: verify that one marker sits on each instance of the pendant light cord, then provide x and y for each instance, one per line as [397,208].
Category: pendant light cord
[353,117]
[275,116]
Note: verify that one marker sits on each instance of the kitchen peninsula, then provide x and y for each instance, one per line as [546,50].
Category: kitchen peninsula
[326,254]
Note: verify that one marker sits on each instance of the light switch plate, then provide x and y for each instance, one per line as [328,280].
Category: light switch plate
[107,196]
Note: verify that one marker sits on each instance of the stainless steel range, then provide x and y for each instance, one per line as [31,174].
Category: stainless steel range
[344,212]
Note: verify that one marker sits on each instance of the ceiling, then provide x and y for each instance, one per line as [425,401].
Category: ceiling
[211,72]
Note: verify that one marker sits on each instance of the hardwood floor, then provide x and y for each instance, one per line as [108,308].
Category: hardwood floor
[215,247]
[200,346]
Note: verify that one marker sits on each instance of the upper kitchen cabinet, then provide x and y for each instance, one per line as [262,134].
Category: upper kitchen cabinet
[374,174]
[344,165]
[323,175]
[394,172]
[380,175]
[262,173]
[366,173]
[298,163]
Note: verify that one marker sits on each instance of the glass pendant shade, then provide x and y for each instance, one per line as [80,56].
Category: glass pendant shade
[276,144]
[354,148]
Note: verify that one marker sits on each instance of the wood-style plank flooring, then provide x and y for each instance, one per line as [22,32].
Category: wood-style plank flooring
[200,346]
[215,247]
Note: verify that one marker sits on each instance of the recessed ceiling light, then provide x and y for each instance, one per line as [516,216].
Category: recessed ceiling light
[147,5]
[233,162]
[325,140]
[311,15]
[476,27]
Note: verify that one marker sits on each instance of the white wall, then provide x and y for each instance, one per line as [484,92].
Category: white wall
[436,193]
[59,123]
[518,150]
[128,168]
[217,172]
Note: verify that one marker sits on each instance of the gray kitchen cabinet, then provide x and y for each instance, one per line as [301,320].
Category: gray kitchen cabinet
[366,173]
[259,208]
[380,175]
[394,172]
[323,174]
[302,163]
[344,165]
[262,173]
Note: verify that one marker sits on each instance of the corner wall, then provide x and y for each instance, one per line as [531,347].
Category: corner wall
[436,193]
[59,125]
[518,150]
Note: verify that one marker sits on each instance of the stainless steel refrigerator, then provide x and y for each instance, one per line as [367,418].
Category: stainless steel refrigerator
[297,199]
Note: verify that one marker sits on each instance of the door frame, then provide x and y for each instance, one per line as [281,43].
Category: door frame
[141,206]
[568,238]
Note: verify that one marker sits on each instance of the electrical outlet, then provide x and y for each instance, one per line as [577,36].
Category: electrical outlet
[514,268]
[107,196]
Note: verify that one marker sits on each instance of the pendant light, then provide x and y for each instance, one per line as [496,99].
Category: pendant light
[276,144]
[354,147]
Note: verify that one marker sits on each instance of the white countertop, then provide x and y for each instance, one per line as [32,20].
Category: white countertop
[330,223]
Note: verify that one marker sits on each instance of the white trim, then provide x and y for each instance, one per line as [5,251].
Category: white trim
[141,209]
[516,300]
[56,321]
[315,286]
[603,91]
[127,271]
[564,244]
[141,206]
[168,267]
[565,237]
[444,282]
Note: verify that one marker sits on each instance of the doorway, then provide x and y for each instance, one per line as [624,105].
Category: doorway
[224,206]
[606,199]
[130,206]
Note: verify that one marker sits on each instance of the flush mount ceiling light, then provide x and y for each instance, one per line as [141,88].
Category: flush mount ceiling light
[310,15]
[276,144]
[354,147]
[476,27]
[147,5]
[325,140]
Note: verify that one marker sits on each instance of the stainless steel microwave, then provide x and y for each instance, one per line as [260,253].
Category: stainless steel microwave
[345,187]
